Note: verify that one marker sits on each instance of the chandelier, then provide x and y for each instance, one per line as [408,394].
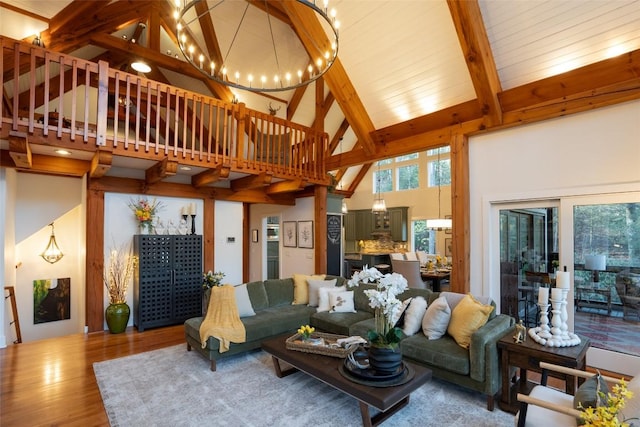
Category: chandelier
[52,252]
[439,223]
[253,45]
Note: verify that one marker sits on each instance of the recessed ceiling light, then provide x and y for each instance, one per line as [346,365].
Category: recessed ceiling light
[140,67]
[185,168]
[63,152]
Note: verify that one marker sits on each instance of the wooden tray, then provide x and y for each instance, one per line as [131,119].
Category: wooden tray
[295,343]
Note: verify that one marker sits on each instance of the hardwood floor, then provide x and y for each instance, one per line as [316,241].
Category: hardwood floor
[51,382]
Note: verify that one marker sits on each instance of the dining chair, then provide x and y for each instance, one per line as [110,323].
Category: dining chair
[423,257]
[411,256]
[411,271]
[396,255]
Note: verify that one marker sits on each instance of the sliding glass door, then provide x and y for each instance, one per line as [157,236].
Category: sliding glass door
[601,248]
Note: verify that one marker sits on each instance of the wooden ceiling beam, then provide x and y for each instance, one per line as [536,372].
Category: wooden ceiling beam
[100,163]
[19,150]
[364,169]
[476,49]
[161,170]
[337,136]
[75,12]
[251,181]
[209,33]
[285,186]
[620,69]
[210,176]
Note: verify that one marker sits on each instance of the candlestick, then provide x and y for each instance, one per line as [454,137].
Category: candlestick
[193,223]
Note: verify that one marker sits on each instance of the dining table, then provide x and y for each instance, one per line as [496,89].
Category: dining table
[436,277]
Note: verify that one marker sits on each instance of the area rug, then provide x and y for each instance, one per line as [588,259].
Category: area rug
[173,387]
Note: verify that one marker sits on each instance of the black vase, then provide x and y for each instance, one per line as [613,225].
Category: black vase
[384,360]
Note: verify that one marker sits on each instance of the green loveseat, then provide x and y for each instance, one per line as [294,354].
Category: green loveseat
[275,315]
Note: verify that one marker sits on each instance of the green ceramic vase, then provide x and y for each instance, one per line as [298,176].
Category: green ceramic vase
[117,316]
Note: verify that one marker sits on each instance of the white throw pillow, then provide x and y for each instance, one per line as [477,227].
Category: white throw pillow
[398,317]
[413,316]
[341,302]
[314,287]
[245,309]
[323,297]
[436,319]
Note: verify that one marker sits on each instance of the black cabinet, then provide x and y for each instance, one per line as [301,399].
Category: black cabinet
[167,280]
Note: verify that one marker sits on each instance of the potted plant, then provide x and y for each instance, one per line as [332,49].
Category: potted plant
[116,277]
[384,349]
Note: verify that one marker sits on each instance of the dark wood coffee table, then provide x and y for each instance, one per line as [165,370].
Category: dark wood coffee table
[388,400]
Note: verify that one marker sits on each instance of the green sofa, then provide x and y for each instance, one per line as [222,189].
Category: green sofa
[275,315]
[476,368]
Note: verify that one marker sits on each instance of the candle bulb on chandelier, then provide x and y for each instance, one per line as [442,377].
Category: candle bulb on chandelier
[201,59]
[299,76]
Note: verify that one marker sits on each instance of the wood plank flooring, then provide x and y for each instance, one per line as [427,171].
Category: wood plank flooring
[51,382]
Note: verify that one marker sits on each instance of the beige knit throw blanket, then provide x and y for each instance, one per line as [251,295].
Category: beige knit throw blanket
[222,320]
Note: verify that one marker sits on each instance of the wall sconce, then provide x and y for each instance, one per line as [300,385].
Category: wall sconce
[52,253]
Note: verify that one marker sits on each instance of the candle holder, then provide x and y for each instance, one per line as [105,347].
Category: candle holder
[558,335]
[193,223]
[542,333]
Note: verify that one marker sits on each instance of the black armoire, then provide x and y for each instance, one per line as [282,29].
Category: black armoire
[167,280]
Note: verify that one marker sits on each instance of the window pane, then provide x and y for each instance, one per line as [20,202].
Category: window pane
[384,162]
[434,151]
[422,237]
[440,173]
[407,157]
[385,182]
[408,177]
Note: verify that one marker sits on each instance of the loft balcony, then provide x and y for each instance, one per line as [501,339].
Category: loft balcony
[112,120]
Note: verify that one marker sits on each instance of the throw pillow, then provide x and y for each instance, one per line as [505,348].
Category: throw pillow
[301,287]
[398,318]
[341,302]
[323,297]
[314,287]
[468,316]
[245,309]
[413,316]
[588,395]
[436,319]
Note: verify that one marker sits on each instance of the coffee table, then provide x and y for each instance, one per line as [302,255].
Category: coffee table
[388,400]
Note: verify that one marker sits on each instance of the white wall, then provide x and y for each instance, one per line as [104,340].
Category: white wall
[40,200]
[228,254]
[587,153]
[7,254]
[292,260]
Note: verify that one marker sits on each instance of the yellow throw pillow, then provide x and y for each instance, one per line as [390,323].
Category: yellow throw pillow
[468,316]
[301,287]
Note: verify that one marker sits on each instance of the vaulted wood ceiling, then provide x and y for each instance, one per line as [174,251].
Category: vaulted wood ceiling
[409,74]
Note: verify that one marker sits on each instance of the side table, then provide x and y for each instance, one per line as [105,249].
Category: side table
[527,356]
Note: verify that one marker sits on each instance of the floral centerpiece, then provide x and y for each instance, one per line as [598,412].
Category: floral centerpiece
[211,279]
[145,212]
[383,299]
[305,331]
[608,414]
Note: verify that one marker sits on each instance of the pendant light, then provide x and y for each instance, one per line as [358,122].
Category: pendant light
[52,253]
[439,223]
[379,205]
[345,209]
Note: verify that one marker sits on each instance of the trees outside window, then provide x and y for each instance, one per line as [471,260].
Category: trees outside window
[408,177]
[423,239]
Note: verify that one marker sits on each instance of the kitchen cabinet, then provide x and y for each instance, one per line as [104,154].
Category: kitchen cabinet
[167,279]
[399,224]
[360,224]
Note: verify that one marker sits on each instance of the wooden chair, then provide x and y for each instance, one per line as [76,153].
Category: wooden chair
[546,406]
[411,271]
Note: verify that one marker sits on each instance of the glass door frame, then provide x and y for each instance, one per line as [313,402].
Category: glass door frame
[600,358]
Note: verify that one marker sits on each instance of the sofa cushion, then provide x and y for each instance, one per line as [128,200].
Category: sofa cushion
[413,316]
[279,291]
[360,300]
[301,287]
[339,323]
[436,319]
[314,287]
[341,302]
[258,295]
[443,353]
[468,316]
[243,302]
[323,297]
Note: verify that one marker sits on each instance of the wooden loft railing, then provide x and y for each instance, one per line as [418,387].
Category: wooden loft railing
[55,98]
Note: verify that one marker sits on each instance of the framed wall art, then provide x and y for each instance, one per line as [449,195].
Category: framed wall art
[289,234]
[305,234]
[447,246]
